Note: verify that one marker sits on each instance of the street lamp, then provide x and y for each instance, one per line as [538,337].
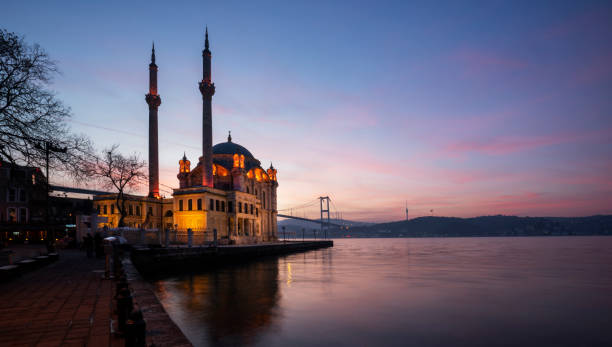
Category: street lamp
[48,147]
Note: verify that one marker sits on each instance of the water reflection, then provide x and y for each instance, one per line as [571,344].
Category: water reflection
[229,307]
[524,291]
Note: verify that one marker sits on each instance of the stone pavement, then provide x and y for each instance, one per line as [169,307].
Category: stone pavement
[65,303]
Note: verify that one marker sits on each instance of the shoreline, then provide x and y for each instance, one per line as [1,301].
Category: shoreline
[161,329]
[158,260]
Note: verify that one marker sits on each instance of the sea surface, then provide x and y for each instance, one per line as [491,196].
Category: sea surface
[498,291]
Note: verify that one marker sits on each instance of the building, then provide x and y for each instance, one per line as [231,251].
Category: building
[227,190]
[23,206]
[22,194]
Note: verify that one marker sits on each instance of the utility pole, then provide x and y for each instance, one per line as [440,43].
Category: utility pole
[406,210]
[49,147]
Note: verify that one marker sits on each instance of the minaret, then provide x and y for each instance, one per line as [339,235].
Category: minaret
[154,101]
[207,88]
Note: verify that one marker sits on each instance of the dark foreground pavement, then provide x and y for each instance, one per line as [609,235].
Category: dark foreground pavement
[64,303]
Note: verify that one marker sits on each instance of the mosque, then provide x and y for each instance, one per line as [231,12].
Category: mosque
[227,190]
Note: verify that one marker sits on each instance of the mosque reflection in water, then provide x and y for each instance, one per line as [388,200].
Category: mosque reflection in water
[230,306]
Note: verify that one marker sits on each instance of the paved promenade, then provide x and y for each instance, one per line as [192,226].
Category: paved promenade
[64,303]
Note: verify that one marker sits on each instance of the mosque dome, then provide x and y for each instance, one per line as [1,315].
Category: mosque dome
[231,148]
[227,154]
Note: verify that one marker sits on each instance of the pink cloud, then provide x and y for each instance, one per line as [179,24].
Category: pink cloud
[478,58]
[596,70]
[580,23]
[513,144]
[481,63]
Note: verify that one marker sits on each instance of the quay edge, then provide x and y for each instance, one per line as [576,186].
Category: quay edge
[151,261]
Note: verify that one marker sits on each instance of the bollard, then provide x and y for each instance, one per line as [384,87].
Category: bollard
[189,237]
[136,330]
[116,262]
[167,237]
[215,237]
[124,307]
[119,287]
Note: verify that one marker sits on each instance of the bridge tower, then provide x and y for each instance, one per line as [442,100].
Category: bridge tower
[326,211]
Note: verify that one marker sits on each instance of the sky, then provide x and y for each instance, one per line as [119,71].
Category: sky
[458,108]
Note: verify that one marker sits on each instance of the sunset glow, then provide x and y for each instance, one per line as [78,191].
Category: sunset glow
[375,108]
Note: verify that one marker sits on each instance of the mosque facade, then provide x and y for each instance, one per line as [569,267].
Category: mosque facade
[227,191]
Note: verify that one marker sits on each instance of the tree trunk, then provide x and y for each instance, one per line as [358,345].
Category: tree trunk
[121,209]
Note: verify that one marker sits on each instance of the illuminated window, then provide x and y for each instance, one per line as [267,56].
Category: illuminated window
[189,205]
[211,205]
[242,161]
[199,204]
[11,214]
[180,205]
[236,160]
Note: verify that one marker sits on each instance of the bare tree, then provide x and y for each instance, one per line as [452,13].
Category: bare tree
[31,118]
[119,173]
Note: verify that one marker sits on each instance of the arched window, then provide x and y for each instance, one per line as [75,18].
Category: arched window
[236,160]
[242,161]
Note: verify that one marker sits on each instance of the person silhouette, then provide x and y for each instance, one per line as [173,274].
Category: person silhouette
[88,243]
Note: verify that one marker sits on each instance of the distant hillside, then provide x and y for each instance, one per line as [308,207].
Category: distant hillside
[482,226]
[297,225]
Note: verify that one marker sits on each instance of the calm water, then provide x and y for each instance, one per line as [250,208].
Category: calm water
[553,291]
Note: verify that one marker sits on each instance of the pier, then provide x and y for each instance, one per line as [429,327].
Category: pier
[157,260]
